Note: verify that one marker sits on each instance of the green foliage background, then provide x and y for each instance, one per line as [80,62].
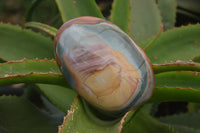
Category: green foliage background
[34,96]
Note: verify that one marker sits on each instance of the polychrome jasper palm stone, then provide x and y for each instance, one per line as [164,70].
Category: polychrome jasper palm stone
[103,64]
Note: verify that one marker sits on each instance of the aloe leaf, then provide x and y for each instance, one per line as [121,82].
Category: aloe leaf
[196,59]
[25,66]
[77,120]
[187,13]
[44,27]
[193,107]
[151,40]
[165,94]
[168,13]
[17,43]
[31,8]
[48,78]
[145,20]
[191,5]
[70,9]
[39,71]
[176,66]
[40,11]
[2,60]
[148,108]
[183,79]
[120,14]
[184,129]
[178,44]
[61,97]
[31,71]
[144,123]
[20,116]
[188,120]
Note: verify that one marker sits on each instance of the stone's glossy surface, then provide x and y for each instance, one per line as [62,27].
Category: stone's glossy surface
[103,64]
[102,74]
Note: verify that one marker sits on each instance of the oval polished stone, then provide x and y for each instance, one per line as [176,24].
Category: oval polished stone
[103,64]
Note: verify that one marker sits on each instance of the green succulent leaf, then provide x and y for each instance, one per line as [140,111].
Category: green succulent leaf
[196,59]
[17,43]
[44,27]
[190,5]
[183,79]
[120,14]
[31,71]
[166,94]
[176,66]
[44,11]
[18,115]
[187,120]
[145,20]
[141,122]
[61,97]
[70,9]
[2,60]
[77,120]
[177,44]
[193,107]
[31,8]
[188,14]
[168,13]
[184,129]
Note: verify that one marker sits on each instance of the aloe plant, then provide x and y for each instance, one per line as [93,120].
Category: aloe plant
[48,104]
